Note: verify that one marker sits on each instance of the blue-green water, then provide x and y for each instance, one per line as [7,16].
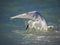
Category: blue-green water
[19,37]
[13,32]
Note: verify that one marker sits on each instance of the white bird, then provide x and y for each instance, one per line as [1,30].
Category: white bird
[36,20]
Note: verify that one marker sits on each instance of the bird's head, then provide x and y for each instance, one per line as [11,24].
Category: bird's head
[29,15]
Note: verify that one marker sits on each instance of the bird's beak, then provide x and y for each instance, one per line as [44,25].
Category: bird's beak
[22,16]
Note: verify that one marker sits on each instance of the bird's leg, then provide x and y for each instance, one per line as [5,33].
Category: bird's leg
[27,27]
